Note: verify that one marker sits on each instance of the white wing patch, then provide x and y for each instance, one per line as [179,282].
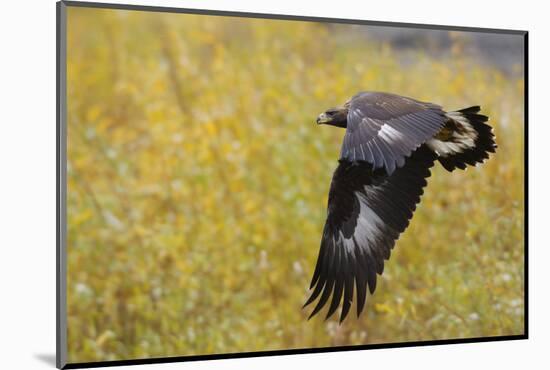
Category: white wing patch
[459,141]
[369,224]
[389,134]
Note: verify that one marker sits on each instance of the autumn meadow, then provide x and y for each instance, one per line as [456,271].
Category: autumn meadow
[198,182]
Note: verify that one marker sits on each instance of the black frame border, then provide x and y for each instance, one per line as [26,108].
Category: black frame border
[61,187]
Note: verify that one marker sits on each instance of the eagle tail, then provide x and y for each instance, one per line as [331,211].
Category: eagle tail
[466,139]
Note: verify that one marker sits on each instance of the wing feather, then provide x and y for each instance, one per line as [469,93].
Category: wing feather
[391,126]
[367,210]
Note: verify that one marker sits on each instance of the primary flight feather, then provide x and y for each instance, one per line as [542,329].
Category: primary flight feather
[390,144]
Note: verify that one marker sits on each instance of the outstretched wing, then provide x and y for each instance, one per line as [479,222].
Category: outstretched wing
[367,210]
[383,129]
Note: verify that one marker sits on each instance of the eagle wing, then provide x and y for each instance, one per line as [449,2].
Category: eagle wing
[383,129]
[367,210]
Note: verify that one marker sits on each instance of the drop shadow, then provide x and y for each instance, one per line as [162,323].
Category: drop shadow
[47,358]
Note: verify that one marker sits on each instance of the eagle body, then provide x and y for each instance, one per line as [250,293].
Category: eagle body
[390,144]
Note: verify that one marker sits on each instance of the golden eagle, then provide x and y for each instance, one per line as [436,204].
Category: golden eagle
[390,144]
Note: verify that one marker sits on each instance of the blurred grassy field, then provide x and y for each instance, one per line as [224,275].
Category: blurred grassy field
[198,179]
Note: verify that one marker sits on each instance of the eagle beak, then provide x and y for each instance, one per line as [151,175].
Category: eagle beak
[323,118]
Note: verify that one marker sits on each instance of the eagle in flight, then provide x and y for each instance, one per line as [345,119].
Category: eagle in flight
[390,144]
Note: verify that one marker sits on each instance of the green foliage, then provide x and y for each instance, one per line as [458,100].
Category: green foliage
[198,179]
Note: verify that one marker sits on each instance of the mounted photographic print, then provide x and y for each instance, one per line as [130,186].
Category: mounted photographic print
[235,184]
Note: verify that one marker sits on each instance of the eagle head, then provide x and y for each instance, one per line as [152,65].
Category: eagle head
[334,116]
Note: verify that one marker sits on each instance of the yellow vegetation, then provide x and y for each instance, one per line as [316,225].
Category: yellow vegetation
[198,179]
